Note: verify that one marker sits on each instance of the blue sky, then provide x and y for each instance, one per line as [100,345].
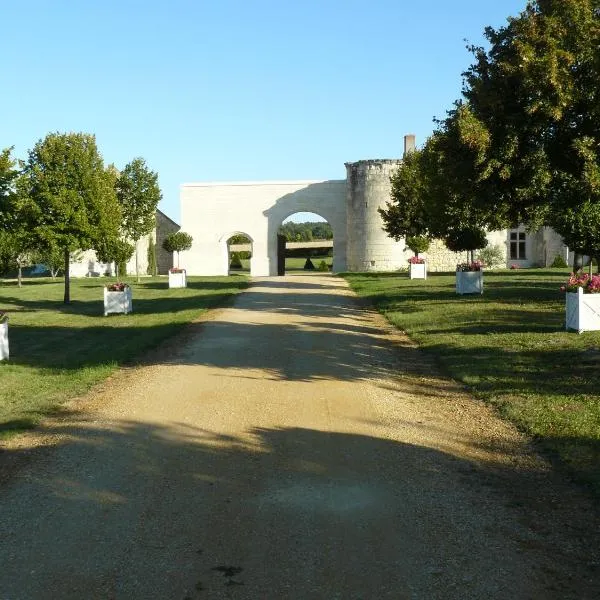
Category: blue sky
[232,90]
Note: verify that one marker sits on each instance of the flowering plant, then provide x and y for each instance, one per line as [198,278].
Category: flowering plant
[515,266]
[476,265]
[589,284]
[416,260]
[176,270]
[3,317]
[118,286]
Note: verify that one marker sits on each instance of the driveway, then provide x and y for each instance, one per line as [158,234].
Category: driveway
[292,446]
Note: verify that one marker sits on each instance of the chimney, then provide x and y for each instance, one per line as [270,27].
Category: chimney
[409,143]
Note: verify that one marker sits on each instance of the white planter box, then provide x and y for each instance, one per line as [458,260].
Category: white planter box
[417,271]
[3,341]
[582,311]
[118,302]
[177,280]
[469,282]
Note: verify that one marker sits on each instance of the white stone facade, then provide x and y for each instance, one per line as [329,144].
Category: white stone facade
[213,212]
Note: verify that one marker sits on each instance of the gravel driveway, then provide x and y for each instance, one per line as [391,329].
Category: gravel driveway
[292,446]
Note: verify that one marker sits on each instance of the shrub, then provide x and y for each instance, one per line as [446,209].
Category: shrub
[559,262]
[236,262]
[418,243]
[323,266]
[492,256]
[308,265]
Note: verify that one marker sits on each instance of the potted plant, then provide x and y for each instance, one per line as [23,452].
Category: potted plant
[117,298]
[3,335]
[582,302]
[417,266]
[177,278]
[469,277]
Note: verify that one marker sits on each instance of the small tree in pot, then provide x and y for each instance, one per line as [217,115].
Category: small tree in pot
[177,242]
[466,239]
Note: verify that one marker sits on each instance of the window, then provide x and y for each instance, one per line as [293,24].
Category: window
[517,245]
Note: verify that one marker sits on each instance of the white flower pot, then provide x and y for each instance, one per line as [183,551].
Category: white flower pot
[417,271]
[469,282]
[177,280]
[3,341]
[582,311]
[118,302]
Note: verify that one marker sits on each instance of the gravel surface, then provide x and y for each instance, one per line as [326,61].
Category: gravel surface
[291,446]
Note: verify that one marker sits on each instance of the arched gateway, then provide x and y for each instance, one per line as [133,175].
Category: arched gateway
[213,212]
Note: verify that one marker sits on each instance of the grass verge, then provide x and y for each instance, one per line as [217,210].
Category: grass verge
[509,347]
[59,351]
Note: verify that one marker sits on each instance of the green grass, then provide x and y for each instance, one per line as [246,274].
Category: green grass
[509,347]
[291,263]
[59,351]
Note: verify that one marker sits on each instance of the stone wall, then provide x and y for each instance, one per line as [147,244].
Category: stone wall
[164,227]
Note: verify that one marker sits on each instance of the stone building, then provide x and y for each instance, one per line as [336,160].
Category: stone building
[214,212]
[87,265]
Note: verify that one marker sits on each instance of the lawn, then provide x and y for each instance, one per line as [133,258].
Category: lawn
[59,351]
[509,347]
[292,264]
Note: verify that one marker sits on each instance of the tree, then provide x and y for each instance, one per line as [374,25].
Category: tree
[66,197]
[535,94]
[418,243]
[114,250]
[152,267]
[177,242]
[17,243]
[466,239]
[139,194]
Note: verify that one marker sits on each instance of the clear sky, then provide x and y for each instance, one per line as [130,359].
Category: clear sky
[227,90]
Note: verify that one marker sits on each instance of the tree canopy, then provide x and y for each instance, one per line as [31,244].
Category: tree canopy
[523,144]
[177,242]
[138,194]
[66,196]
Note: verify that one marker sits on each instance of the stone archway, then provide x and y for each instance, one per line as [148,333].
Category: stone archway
[213,212]
[224,248]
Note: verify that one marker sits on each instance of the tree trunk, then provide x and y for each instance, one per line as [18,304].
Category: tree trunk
[67,297]
[178,259]
[137,265]
[19,275]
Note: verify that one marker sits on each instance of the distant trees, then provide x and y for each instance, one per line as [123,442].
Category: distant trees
[306,232]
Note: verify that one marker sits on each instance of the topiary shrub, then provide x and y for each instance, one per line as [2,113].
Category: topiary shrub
[323,266]
[559,262]
[308,265]
[236,262]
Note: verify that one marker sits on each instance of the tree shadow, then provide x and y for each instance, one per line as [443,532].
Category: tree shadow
[127,509]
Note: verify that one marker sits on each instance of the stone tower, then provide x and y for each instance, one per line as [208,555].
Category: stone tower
[368,188]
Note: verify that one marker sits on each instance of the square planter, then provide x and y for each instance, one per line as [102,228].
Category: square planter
[118,302]
[469,282]
[417,271]
[582,311]
[177,280]
[3,341]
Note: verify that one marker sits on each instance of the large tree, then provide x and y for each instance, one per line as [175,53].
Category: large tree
[535,93]
[139,194]
[66,196]
[16,243]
